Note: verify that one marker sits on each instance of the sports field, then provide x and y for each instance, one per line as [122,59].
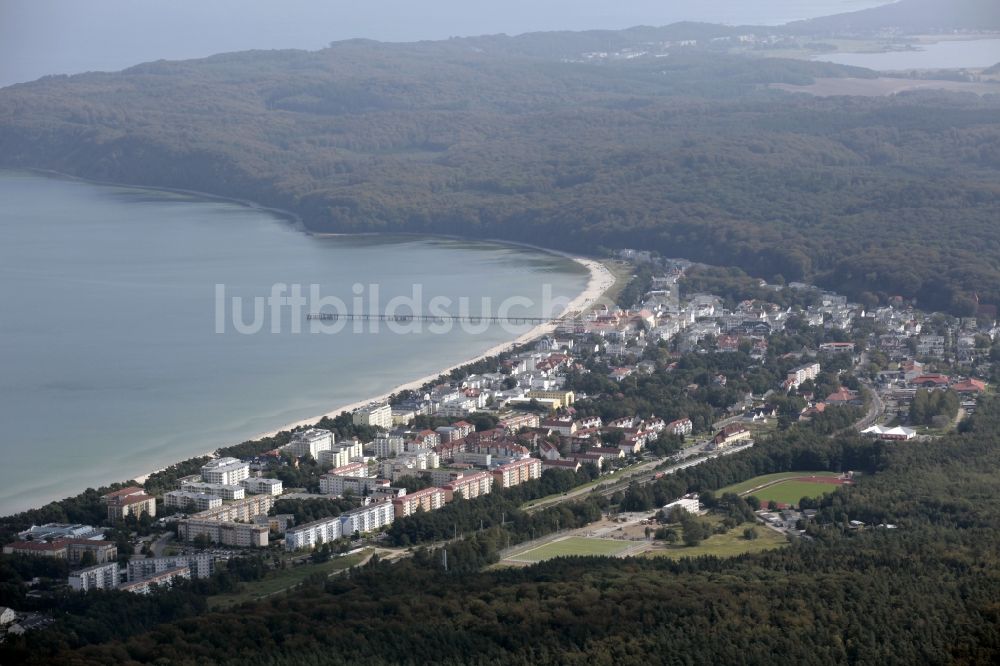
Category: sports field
[571,546]
[791,491]
[758,481]
[787,488]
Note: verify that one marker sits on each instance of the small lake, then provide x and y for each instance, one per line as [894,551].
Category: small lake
[112,362]
[972,53]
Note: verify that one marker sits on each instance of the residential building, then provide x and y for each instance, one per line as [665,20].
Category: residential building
[310,443]
[680,427]
[225,471]
[55,549]
[99,577]
[257,485]
[562,398]
[470,486]
[427,499]
[184,499]
[517,472]
[517,420]
[564,426]
[163,579]
[100,551]
[244,509]
[689,503]
[367,518]
[379,415]
[336,457]
[730,435]
[799,375]
[201,565]
[350,469]
[896,433]
[242,535]
[225,491]
[313,534]
[131,501]
[333,484]
[391,444]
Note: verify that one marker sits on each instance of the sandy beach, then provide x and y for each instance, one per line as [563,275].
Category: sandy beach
[598,284]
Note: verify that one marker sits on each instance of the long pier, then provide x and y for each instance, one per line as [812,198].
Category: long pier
[443,319]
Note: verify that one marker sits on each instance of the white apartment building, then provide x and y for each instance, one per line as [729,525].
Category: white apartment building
[256,485]
[226,492]
[335,484]
[374,415]
[337,457]
[802,373]
[201,565]
[242,535]
[100,577]
[165,578]
[388,445]
[225,471]
[184,499]
[310,442]
[244,509]
[313,534]
[367,518]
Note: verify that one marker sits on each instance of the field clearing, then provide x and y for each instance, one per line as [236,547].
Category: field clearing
[758,481]
[791,491]
[284,579]
[583,546]
[729,544]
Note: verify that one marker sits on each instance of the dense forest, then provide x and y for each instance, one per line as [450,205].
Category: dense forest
[924,592]
[521,138]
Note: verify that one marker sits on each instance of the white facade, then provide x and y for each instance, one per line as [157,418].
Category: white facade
[201,565]
[226,492]
[367,519]
[374,415]
[182,499]
[100,577]
[310,442]
[334,484]
[225,471]
[388,445]
[313,534]
[259,486]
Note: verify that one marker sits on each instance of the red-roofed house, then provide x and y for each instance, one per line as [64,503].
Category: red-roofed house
[969,386]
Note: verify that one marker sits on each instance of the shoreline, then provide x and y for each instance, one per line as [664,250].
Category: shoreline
[600,280]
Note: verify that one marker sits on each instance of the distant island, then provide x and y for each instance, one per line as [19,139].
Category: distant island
[669,138]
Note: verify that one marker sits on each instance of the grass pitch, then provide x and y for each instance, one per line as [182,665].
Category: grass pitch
[790,492]
[572,546]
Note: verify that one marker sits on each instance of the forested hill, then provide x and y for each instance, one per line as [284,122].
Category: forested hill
[688,154]
[908,16]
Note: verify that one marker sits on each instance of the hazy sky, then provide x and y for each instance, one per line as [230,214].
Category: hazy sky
[39,37]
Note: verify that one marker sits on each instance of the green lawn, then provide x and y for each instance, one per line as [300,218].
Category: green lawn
[790,492]
[573,546]
[283,579]
[740,488]
[729,544]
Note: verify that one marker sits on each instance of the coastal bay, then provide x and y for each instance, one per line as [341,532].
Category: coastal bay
[112,362]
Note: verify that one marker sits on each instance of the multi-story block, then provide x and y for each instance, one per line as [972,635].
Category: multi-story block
[201,565]
[379,415]
[131,501]
[225,471]
[427,499]
[184,499]
[332,484]
[469,486]
[313,534]
[163,579]
[242,535]
[517,472]
[100,577]
[256,485]
[336,457]
[367,518]
[225,491]
[387,445]
[310,443]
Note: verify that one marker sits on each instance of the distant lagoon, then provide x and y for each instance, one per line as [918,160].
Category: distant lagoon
[951,54]
[110,363]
